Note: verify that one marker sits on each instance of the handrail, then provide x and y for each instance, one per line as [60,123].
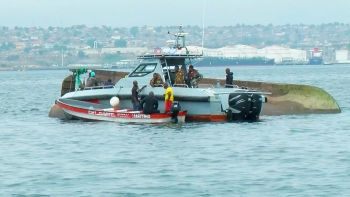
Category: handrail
[244,92]
[99,87]
[230,85]
[166,55]
[180,85]
[158,85]
[140,85]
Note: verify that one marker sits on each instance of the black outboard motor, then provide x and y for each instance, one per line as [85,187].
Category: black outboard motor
[256,107]
[175,109]
[244,106]
[239,105]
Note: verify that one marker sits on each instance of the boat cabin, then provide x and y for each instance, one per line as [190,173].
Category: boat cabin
[164,66]
[163,62]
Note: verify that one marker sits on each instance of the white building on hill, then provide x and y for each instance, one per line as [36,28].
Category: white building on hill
[281,53]
[242,51]
[342,56]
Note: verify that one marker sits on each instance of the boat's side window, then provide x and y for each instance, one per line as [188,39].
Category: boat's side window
[143,69]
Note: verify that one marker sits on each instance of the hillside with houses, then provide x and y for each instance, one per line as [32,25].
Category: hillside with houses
[44,47]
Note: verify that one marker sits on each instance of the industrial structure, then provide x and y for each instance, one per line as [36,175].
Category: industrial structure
[342,56]
[281,55]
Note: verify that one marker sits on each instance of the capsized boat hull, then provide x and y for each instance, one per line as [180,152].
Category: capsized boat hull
[91,111]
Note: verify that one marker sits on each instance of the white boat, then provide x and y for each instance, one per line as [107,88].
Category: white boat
[91,111]
[206,103]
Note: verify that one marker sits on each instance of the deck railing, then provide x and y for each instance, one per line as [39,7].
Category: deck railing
[203,85]
[98,87]
[231,86]
[180,85]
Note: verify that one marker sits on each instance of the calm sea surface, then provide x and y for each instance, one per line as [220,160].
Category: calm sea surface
[298,155]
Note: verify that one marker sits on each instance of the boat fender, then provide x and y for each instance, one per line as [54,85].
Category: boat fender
[114,101]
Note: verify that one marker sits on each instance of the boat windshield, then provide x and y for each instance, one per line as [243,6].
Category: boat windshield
[143,69]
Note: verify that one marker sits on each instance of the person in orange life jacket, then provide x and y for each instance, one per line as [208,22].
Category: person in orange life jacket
[229,78]
[194,76]
[168,98]
[135,96]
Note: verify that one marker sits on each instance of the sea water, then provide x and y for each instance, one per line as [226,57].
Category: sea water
[291,155]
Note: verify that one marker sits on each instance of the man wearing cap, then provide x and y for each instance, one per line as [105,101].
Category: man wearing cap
[91,80]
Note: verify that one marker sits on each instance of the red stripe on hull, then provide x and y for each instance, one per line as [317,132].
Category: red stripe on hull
[114,114]
[93,101]
[194,118]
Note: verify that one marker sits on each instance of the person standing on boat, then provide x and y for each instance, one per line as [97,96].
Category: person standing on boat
[179,76]
[194,76]
[151,104]
[91,80]
[229,78]
[156,80]
[135,96]
[168,98]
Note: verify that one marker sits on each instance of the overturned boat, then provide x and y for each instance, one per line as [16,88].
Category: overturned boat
[203,103]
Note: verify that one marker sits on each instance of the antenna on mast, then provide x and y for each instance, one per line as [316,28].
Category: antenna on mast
[203,27]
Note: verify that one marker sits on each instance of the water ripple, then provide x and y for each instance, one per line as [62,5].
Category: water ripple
[292,155]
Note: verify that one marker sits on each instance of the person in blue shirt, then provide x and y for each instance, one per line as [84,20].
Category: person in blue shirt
[109,84]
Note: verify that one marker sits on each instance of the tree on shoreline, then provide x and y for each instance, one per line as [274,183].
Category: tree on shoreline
[12,58]
[81,54]
[134,31]
[120,43]
[7,46]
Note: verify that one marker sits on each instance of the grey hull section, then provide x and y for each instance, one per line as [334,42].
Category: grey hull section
[196,101]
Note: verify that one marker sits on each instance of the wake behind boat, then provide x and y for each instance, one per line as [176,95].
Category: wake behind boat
[91,111]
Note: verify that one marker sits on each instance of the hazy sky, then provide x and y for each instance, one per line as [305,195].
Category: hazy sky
[127,13]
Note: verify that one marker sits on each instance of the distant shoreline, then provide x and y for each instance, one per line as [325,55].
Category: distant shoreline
[48,68]
[30,69]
